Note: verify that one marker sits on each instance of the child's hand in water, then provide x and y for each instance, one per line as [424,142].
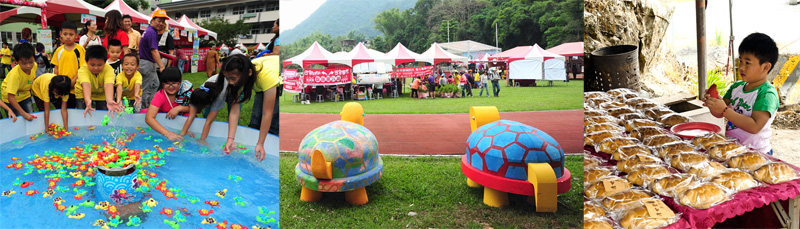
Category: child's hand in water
[229,145]
[174,137]
[259,152]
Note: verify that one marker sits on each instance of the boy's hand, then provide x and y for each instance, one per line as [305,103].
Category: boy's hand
[27,116]
[172,113]
[716,106]
[88,110]
[11,115]
[259,152]
[174,137]
[137,101]
[229,146]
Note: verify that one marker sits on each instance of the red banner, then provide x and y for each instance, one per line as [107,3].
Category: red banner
[291,82]
[330,76]
[201,56]
[412,72]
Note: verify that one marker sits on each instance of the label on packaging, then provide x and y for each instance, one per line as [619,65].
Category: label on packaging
[657,209]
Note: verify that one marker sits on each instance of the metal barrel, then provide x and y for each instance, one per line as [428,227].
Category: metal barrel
[614,67]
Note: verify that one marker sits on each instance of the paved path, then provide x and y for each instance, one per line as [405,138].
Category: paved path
[435,133]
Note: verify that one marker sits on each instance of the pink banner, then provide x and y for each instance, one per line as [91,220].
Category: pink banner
[291,82]
[412,72]
[201,56]
[330,76]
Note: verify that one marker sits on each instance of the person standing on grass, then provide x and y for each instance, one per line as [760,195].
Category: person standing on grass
[149,59]
[496,82]
[5,60]
[181,56]
[415,87]
[431,86]
[484,84]
[212,61]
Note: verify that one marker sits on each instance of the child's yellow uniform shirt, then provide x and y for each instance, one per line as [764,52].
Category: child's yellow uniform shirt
[18,83]
[128,86]
[97,82]
[68,64]
[6,56]
[41,87]
[268,76]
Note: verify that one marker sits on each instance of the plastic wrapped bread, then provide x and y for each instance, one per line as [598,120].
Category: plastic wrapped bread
[593,174]
[633,101]
[661,139]
[592,210]
[593,112]
[747,161]
[609,145]
[684,161]
[599,119]
[673,184]
[603,127]
[630,116]
[594,94]
[670,120]
[591,161]
[637,216]
[594,138]
[598,189]
[643,132]
[656,112]
[632,163]
[631,150]
[703,196]
[775,173]
[670,149]
[619,111]
[597,223]
[611,105]
[708,140]
[736,180]
[595,102]
[643,175]
[725,150]
[619,91]
[631,124]
[646,105]
[706,170]
[621,200]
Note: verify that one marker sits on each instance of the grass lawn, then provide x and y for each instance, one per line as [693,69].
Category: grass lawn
[432,187]
[561,96]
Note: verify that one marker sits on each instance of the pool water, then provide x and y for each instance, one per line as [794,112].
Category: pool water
[191,169]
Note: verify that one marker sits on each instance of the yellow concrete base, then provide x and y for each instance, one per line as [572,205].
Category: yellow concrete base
[320,168]
[545,186]
[309,195]
[357,197]
[480,115]
[494,197]
[473,184]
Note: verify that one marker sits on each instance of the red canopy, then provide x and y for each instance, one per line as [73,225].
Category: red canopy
[435,54]
[123,8]
[482,59]
[568,49]
[200,30]
[362,54]
[316,54]
[517,51]
[400,55]
[55,11]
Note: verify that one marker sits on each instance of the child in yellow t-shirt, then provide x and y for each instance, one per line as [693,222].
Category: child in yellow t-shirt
[16,88]
[129,81]
[5,60]
[96,83]
[57,86]
[68,58]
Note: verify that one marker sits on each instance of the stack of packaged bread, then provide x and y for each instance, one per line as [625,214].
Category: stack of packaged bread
[638,160]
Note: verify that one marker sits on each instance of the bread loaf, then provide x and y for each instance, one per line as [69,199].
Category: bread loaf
[619,91]
[638,217]
[775,173]
[592,174]
[609,145]
[684,161]
[706,170]
[628,151]
[708,140]
[631,124]
[594,94]
[661,139]
[670,120]
[590,161]
[599,119]
[670,149]
[643,175]
[747,161]
[611,105]
[643,132]
[632,163]
[597,224]
[594,138]
[623,199]
[592,210]
[656,112]
[703,196]
[725,150]
[645,105]
[603,127]
[673,184]
[633,101]
[735,180]
[630,116]
[593,113]
[619,111]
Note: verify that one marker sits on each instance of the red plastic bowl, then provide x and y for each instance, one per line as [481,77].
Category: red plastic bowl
[684,130]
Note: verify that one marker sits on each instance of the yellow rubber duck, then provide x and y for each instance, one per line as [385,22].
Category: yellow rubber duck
[77,216]
[151,203]
[222,193]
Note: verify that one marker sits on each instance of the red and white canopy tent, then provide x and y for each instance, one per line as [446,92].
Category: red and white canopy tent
[483,59]
[200,30]
[362,54]
[365,62]
[532,62]
[123,8]
[53,10]
[400,55]
[316,54]
[435,55]
[568,49]
[186,25]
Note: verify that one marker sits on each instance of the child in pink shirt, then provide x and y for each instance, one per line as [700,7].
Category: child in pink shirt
[172,98]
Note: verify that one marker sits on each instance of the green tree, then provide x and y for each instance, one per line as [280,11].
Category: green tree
[226,32]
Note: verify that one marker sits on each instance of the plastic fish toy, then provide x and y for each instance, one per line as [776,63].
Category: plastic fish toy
[222,193]
[133,221]
[239,201]
[77,216]
[172,224]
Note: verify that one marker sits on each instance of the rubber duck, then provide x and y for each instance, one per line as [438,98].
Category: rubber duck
[58,200]
[31,192]
[172,224]
[213,203]
[193,199]
[151,203]
[239,201]
[87,203]
[49,193]
[166,211]
[77,216]
[100,223]
[102,205]
[205,212]
[133,221]
[25,184]
[112,210]
[209,221]
[8,193]
[222,193]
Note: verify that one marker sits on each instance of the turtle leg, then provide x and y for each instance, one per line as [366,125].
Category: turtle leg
[473,184]
[494,198]
[357,197]
[545,186]
[310,195]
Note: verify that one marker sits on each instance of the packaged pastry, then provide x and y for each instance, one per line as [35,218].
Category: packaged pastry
[747,161]
[706,170]
[595,102]
[594,94]
[623,199]
[609,145]
[645,105]
[611,105]
[606,186]
[736,180]
[631,124]
[632,163]
[619,111]
[708,140]
[592,210]
[628,151]
[631,116]
[643,132]
[593,174]
[643,175]
[661,139]
[626,96]
[619,91]
[703,196]
[774,173]
[725,150]
[670,120]
[599,119]
[638,215]
[591,161]
[592,113]
[683,161]
[597,223]
[673,184]
[603,127]
[633,101]
[656,112]
[670,149]
[594,138]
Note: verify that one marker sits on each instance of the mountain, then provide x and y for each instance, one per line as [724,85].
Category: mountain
[339,17]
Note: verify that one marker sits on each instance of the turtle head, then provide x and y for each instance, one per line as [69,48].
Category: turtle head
[320,168]
[353,112]
[482,115]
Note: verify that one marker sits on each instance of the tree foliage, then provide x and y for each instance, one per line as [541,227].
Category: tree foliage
[226,32]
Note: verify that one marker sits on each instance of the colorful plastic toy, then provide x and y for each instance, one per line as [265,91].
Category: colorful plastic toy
[87,204]
[71,209]
[239,201]
[31,192]
[151,203]
[112,211]
[114,221]
[77,216]
[234,178]
[510,157]
[101,223]
[205,212]
[341,156]
[133,221]
[193,199]
[209,221]
[213,203]
[222,193]
[49,193]
[105,120]
[102,205]
[179,217]
[25,184]
[172,224]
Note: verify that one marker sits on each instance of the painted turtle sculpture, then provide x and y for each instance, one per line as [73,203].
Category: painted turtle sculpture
[510,157]
[340,156]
